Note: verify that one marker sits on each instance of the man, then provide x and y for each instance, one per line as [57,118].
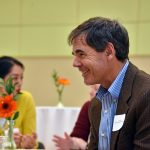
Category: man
[119,115]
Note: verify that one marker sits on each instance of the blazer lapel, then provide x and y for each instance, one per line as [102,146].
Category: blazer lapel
[124,97]
[96,111]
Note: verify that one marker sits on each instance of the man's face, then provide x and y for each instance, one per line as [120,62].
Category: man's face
[92,64]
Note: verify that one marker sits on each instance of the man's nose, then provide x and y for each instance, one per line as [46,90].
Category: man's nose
[76,62]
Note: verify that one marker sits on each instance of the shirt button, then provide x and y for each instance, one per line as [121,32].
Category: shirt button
[114,100]
[105,111]
[102,134]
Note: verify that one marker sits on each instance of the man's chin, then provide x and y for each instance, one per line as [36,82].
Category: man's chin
[87,82]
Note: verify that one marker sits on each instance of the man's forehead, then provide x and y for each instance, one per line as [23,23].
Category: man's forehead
[80,40]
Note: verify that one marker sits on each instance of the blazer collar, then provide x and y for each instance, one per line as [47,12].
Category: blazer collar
[124,97]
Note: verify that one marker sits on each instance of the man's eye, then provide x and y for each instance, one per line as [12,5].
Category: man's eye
[81,55]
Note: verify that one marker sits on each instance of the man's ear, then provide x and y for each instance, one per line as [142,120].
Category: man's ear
[107,52]
[109,49]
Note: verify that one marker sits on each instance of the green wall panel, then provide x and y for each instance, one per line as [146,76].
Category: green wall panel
[125,10]
[41,27]
[143,39]
[144,10]
[49,11]
[45,41]
[10,12]
[9,40]
[132,32]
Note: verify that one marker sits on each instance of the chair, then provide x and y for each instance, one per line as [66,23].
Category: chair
[40,145]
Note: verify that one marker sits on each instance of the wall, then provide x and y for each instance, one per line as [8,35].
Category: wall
[40,27]
[36,31]
[38,80]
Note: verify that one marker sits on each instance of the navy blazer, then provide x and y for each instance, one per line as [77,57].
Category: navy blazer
[134,101]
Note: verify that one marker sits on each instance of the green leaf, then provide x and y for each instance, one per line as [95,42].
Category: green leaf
[9,87]
[16,115]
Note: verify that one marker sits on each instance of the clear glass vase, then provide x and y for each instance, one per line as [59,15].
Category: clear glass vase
[9,143]
[60,104]
[3,139]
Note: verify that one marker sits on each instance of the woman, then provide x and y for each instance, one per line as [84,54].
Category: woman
[26,122]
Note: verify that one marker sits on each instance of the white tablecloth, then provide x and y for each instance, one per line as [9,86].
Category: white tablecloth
[54,120]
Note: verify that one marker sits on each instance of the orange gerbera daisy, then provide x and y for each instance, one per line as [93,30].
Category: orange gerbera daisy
[63,81]
[7,106]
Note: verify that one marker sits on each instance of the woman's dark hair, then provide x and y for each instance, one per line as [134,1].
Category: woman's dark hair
[99,31]
[6,64]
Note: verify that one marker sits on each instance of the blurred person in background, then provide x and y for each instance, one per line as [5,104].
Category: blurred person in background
[25,137]
[79,136]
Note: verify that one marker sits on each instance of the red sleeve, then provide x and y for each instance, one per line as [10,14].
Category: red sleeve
[82,126]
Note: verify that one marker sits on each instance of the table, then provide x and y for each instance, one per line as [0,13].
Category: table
[54,120]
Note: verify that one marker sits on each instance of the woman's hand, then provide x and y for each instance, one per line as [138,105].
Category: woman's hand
[61,143]
[79,143]
[68,142]
[17,138]
[28,141]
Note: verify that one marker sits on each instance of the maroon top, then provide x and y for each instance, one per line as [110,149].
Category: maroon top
[82,126]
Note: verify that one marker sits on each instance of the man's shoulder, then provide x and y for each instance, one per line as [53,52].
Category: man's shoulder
[141,77]
[134,69]
[136,77]
[136,82]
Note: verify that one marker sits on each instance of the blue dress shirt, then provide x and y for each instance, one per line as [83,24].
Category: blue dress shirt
[109,100]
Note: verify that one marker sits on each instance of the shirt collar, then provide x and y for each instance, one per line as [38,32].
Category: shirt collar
[115,87]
